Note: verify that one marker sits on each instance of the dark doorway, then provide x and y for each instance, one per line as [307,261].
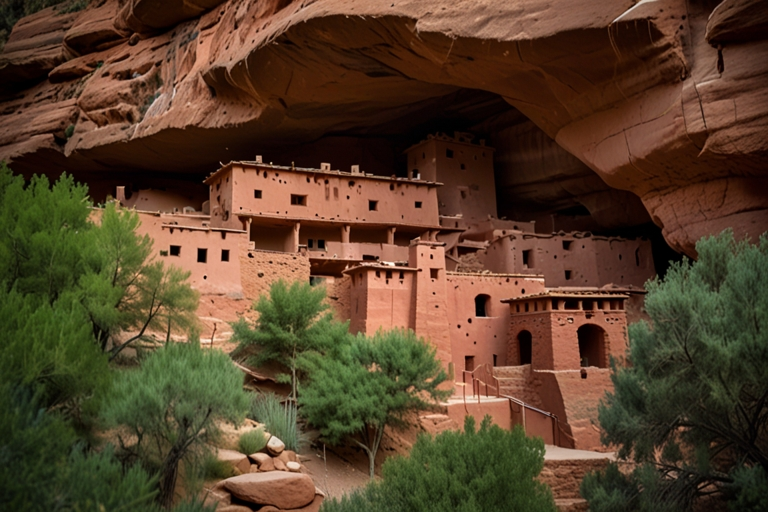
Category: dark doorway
[525,342]
[469,363]
[592,346]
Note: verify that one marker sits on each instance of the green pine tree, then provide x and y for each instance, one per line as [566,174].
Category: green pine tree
[692,404]
[370,384]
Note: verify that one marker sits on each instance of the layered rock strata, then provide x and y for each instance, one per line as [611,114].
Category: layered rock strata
[663,99]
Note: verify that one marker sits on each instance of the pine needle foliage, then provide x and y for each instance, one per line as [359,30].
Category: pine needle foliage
[369,384]
[485,470]
[171,405]
[692,405]
[293,321]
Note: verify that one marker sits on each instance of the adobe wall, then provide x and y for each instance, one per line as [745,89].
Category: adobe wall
[152,200]
[214,275]
[579,398]
[555,344]
[498,410]
[338,296]
[466,172]
[327,197]
[260,269]
[482,337]
[571,261]
[564,476]
[381,298]
[429,310]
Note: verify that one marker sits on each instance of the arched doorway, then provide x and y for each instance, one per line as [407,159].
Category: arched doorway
[481,305]
[524,342]
[592,346]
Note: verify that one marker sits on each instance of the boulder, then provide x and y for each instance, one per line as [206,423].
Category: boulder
[275,446]
[312,507]
[264,461]
[237,460]
[233,508]
[293,467]
[279,489]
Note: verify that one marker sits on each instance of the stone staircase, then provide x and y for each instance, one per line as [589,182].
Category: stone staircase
[517,382]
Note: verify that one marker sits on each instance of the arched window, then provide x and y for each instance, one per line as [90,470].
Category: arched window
[524,341]
[592,346]
[482,303]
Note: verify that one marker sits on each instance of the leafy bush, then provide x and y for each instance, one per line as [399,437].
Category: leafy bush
[280,420]
[487,470]
[171,404]
[252,441]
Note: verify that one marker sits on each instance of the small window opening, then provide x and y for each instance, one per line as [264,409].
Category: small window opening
[373,205]
[257,194]
[463,167]
[567,245]
[417,204]
[369,257]
[202,255]
[321,244]
[175,250]
[389,274]
[469,363]
[225,255]
[527,259]
[555,305]
[434,273]
[637,257]
[402,275]
[298,200]
[495,360]
[568,275]
[481,305]
[449,153]
[378,273]
[310,243]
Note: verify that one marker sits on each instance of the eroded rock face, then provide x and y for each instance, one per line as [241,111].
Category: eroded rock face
[661,99]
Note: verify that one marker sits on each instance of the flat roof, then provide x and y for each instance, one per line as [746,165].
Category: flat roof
[572,294]
[310,170]
[379,266]
[538,277]
[441,137]
[285,220]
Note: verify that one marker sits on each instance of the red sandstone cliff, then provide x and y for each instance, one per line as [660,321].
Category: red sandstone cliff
[666,99]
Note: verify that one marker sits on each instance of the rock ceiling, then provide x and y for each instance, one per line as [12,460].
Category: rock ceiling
[633,110]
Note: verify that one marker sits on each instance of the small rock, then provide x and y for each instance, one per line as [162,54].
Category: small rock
[275,446]
[237,460]
[264,461]
[254,468]
[220,497]
[279,465]
[293,467]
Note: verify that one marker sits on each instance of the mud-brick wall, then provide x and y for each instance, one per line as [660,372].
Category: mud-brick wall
[564,476]
[259,269]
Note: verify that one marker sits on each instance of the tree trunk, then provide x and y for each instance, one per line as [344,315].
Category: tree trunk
[168,475]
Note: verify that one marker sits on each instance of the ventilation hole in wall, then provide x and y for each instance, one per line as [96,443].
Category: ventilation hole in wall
[469,320]
[458,326]
[205,277]
[522,291]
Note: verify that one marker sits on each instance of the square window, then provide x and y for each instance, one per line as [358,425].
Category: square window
[434,273]
[298,200]
[175,250]
[449,153]
[321,245]
[202,255]
[257,194]
[567,245]
[418,204]
[225,255]
[373,205]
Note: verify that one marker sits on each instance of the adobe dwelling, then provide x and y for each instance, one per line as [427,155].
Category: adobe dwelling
[395,252]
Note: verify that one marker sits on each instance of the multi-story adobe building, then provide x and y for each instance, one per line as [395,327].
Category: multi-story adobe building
[388,249]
